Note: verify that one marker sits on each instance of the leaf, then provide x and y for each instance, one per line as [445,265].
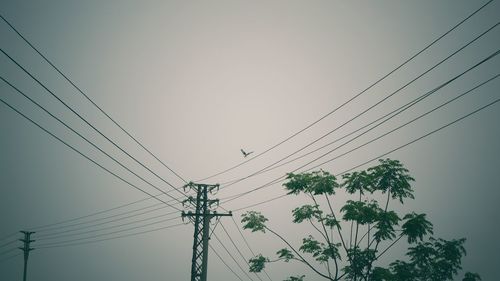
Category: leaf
[306,212]
[381,274]
[357,182]
[258,263]
[403,271]
[311,246]
[317,183]
[437,259]
[331,221]
[416,226]
[295,278]
[254,220]
[331,252]
[385,225]
[391,176]
[469,276]
[285,254]
[361,212]
[359,260]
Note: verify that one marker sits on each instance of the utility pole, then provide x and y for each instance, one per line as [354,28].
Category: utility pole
[26,249]
[201,220]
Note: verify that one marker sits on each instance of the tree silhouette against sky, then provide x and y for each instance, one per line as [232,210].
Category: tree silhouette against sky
[347,243]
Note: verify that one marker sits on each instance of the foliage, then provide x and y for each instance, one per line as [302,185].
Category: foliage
[471,277]
[254,221]
[285,254]
[341,256]
[258,263]
[295,278]
[416,226]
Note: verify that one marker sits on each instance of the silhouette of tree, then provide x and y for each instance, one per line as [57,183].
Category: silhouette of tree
[335,254]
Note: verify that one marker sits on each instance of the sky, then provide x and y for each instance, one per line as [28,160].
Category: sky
[195,82]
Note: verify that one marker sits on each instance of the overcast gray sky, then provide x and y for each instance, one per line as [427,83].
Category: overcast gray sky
[195,81]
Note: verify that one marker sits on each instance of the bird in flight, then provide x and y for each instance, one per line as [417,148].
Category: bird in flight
[245,154]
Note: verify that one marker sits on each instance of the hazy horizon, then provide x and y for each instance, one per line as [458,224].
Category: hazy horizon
[197,81]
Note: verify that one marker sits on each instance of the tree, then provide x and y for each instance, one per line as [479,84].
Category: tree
[373,229]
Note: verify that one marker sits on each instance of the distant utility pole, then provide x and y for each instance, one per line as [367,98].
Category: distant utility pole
[26,249]
[201,220]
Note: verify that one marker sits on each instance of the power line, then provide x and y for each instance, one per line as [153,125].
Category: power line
[95,213]
[86,139]
[87,122]
[375,158]
[354,97]
[374,105]
[7,251]
[222,260]
[45,238]
[238,249]
[248,245]
[391,115]
[426,135]
[8,243]
[68,232]
[107,217]
[317,158]
[260,203]
[109,238]
[87,97]
[100,235]
[405,124]
[9,258]
[83,155]
[232,257]
[8,236]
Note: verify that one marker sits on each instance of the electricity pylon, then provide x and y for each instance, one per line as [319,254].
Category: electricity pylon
[201,219]
[26,249]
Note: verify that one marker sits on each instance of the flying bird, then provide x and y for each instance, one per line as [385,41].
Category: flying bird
[245,154]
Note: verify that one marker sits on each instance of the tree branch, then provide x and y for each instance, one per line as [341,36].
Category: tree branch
[388,247]
[299,255]
[335,218]
[327,240]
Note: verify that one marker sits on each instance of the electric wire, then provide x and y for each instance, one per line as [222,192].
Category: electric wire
[370,107]
[105,218]
[7,251]
[222,260]
[317,158]
[109,238]
[68,232]
[436,40]
[87,122]
[44,226]
[83,155]
[9,258]
[232,257]
[87,97]
[121,216]
[354,97]
[405,124]
[86,139]
[102,234]
[424,136]
[381,155]
[412,142]
[8,243]
[237,249]
[248,245]
[388,117]
[9,235]
[377,157]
